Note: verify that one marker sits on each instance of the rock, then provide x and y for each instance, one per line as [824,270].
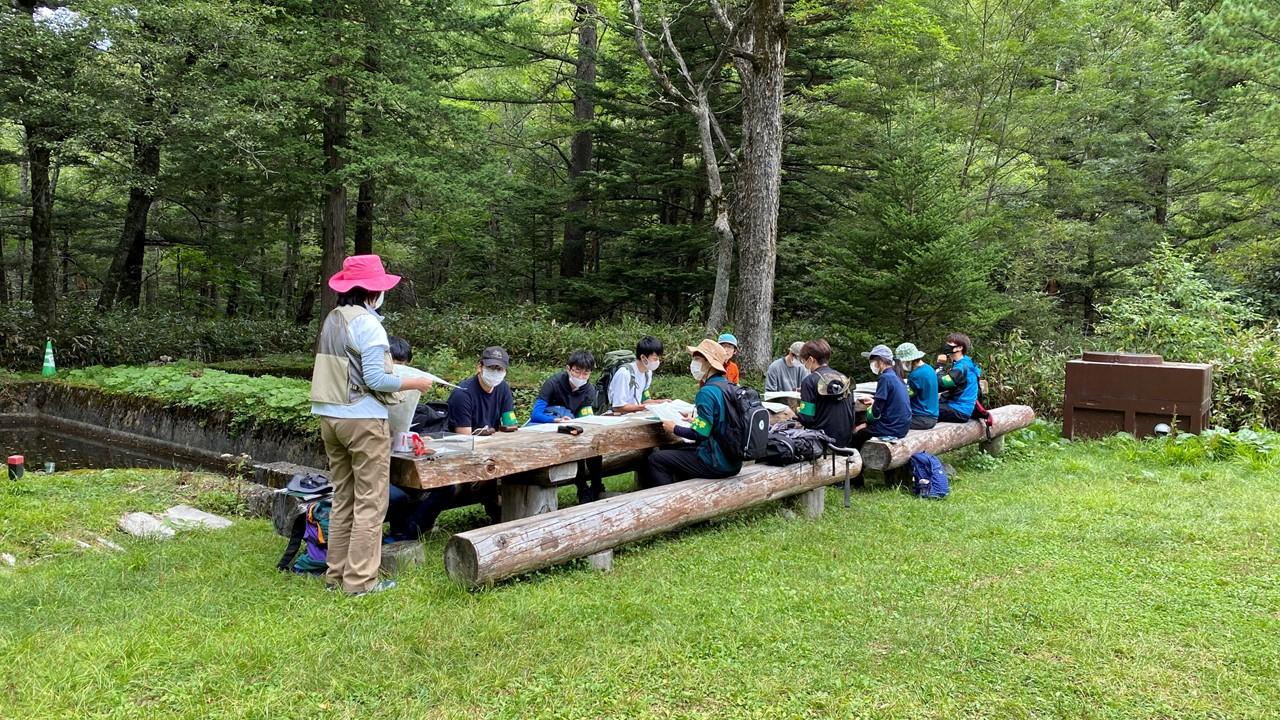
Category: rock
[108,544]
[8,559]
[601,561]
[284,510]
[258,499]
[400,555]
[140,524]
[185,517]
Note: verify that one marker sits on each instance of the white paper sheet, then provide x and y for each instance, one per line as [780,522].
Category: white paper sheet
[605,419]
[792,394]
[774,407]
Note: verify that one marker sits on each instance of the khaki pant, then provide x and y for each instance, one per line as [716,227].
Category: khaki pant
[359,453]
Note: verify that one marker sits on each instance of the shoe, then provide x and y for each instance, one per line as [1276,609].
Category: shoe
[382,586]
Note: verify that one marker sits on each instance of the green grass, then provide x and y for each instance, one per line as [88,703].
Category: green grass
[1102,580]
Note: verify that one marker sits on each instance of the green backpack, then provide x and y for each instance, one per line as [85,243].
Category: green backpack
[613,361]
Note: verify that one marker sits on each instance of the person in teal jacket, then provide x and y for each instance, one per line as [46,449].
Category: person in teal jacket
[922,386]
[958,380]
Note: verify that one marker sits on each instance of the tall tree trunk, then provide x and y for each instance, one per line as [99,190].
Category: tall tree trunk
[723,229]
[292,252]
[364,217]
[124,278]
[4,273]
[573,251]
[44,273]
[759,179]
[334,217]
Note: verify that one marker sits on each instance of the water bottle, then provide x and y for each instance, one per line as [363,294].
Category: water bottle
[16,469]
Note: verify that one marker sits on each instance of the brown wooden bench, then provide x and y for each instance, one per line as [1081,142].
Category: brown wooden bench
[882,456]
[489,554]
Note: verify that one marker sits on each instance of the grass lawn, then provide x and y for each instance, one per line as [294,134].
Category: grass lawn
[1086,580]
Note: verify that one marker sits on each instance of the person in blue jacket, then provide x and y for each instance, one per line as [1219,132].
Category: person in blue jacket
[890,413]
[922,386]
[705,457]
[563,397]
[958,380]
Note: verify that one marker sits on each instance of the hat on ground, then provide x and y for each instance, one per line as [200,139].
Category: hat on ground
[795,348]
[728,338]
[364,271]
[881,352]
[908,352]
[711,350]
[495,356]
[308,484]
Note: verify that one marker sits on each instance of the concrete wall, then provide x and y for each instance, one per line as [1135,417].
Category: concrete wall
[144,422]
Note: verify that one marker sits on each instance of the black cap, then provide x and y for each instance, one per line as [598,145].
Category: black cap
[495,356]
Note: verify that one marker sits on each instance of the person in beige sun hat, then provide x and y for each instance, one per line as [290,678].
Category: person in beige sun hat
[705,458]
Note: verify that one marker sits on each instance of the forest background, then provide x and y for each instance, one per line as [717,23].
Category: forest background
[176,178]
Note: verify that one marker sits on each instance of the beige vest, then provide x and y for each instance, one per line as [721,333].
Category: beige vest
[338,377]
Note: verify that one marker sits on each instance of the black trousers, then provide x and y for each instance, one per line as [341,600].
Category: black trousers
[667,466]
[923,422]
[590,480]
[860,438]
[946,414]
[424,506]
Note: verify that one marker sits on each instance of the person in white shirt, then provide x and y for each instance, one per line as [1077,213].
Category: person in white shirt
[629,388]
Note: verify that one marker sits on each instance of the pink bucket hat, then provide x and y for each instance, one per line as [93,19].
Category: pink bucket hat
[364,271]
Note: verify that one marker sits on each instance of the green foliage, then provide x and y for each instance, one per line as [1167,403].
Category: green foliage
[264,401]
[85,337]
[1027,372]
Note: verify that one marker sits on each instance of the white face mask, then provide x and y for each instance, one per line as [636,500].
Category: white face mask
[576,382]
[493,378]
[377,304]
[695,369]
[875,369]
[652,365]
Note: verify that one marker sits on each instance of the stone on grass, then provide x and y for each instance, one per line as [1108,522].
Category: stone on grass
[8,559]
[400,555]
[185,517]
[140,524]
[108,544]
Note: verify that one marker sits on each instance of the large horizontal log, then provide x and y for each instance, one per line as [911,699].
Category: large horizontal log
[525,450]
[943,437]
[485,555]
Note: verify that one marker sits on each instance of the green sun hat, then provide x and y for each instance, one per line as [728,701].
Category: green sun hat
[908,352]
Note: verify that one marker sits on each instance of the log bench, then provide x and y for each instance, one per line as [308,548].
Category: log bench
[486,555]
[883,456]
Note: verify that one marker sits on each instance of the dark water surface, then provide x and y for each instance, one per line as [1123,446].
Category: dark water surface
[40,445]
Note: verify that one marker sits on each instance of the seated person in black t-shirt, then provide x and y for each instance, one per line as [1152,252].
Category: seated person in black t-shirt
[482,403]
[567,395]
[826,396]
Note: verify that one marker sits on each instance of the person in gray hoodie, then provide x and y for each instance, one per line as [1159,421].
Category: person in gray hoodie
[787,372]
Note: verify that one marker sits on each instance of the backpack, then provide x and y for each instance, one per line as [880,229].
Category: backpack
[614,360]
[790,442]
[310,526]
[746,434]
[430,417]
[930,478]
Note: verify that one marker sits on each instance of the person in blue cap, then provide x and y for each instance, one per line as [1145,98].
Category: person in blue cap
[730,344]
[890,413]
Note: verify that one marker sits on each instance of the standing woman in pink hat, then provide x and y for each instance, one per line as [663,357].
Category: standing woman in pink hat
[351,386]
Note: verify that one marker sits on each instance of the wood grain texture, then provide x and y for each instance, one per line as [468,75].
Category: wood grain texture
[944,437]
[525,451]
[486,555]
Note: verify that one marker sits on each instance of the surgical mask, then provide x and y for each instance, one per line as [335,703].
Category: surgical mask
[576,382]
[786,360]
[652,365]
[377,304]
[493,378]
[695,369]
[875,369]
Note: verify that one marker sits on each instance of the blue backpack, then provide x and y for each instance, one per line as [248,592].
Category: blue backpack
[930,478]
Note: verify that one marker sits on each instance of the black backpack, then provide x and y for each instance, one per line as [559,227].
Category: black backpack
[791,442]
[430,417]
[613,361]
[746,435]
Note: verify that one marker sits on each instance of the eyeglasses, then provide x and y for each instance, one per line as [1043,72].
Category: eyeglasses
[580,374]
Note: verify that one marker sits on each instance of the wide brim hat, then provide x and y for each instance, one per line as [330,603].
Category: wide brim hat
[711,350]
[364,271]
[908,352]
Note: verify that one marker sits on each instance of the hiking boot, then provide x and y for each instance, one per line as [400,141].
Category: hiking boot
[382,586]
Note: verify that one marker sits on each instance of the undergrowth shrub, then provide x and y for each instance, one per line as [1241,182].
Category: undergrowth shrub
[85,337]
